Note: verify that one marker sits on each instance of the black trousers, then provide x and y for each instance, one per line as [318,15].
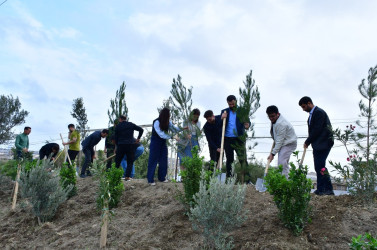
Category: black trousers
[72,154]
[89,153]
[110,152]
[129,151]
[232,144]
[323,178]
[215,156]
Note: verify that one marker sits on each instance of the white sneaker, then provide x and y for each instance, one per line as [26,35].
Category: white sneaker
[165,181]
[123,178]
[152,184]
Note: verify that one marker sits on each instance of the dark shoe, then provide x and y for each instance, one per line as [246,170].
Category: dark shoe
[328,193]
[316,192]
[88,173]
[83,176]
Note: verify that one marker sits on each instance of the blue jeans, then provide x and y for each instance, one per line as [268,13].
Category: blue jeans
[158,153]
[186,151]
[139,151]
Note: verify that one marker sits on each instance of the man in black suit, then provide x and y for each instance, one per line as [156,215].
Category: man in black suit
[321,139]
[235,134]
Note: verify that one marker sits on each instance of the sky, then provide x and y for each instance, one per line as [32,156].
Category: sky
[52,52]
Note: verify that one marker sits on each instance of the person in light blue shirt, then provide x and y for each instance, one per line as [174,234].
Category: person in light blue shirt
[158,151]
[235,135]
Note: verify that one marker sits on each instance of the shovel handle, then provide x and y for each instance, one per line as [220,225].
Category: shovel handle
[220,163]
[303,157]
[268,162]
[109,158]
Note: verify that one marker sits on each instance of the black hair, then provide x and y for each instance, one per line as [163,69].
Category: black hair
[208,114]
[27,128]
[195,112]
[105,131]
[230,98]
[305,100]
[71,125]
[123,117]
[272,110]
[164,119]
[55,147]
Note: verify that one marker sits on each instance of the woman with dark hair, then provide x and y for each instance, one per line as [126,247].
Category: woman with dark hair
[158,151]
[185,145]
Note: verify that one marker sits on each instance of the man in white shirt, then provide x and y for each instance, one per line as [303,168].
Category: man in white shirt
[284,136]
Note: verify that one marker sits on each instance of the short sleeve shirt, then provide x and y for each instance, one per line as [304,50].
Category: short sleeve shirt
[75,146]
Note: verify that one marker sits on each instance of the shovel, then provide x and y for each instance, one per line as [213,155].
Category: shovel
[259,185]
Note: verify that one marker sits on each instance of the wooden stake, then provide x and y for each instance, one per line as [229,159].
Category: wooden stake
[176,167]
[220,163]
[105,222]
[66,151]
[16,187]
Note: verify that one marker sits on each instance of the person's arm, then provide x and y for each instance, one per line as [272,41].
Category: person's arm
[280,132]
[141,131]
[17,143]
[174,128]
[317,126]
[27,143]
[161,133]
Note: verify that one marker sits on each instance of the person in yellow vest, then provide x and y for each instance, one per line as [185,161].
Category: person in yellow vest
[74,142]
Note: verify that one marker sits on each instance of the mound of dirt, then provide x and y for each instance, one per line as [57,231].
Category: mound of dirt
[150,217]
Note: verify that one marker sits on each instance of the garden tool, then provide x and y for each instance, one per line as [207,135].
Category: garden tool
[260,182]
[220,163]
[302,158]
[108,158]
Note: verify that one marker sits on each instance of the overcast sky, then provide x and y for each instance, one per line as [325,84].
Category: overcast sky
[52,52]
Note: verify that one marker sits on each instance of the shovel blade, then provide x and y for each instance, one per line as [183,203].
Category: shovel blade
[260,185]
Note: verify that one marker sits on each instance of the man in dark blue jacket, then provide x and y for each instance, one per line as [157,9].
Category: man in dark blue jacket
[125,143]
[212,130]
[88,149]
[321,139]
[235,135]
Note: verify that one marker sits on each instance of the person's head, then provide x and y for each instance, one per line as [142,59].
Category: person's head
[232,102]
[122,118]
[272,113]
[306,103]
[71,127]
[164,118]
[55,148]
[195,115]
[104,133]
[27,130]
[209,116]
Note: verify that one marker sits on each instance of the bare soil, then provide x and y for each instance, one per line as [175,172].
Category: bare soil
[150,217]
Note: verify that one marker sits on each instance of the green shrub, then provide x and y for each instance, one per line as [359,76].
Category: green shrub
[291,196]
[111,186]
[43,190]
[362,242]
[191,176]
[9,168]
[218,210]
[68,179]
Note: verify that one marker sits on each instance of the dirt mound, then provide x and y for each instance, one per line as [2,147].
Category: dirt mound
[150,217]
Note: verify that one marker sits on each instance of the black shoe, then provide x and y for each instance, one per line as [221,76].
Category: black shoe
[316,192]
[88,173]
[329,192]
[83,176]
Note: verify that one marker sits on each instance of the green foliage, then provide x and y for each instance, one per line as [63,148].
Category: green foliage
[191,176]
[254,171]
[79,113]
[25,155]
[218,210]
[11,115]
[111,186]
[364,242]
[360,174]
[118,105]
[43,190]
[9,168]
[291,196]
[68,179]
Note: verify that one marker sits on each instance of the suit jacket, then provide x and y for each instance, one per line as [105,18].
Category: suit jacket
[240,126]
[320,135]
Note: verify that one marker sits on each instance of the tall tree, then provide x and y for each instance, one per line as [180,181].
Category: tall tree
[118,105]
[11,115]
[181,99]
[79,113]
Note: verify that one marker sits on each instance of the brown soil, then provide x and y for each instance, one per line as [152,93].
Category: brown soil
[151,218]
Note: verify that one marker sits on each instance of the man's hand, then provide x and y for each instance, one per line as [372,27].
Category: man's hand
[224,115]
[219,150]
[188,136]
[105,150]
[305,146]
[25,150]
[64,143]
[137,141]
[247,125]
[94,157]
[270,157]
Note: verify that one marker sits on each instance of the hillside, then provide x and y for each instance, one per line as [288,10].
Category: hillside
[151,218]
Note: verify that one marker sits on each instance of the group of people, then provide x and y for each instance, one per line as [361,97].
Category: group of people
[121,142]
